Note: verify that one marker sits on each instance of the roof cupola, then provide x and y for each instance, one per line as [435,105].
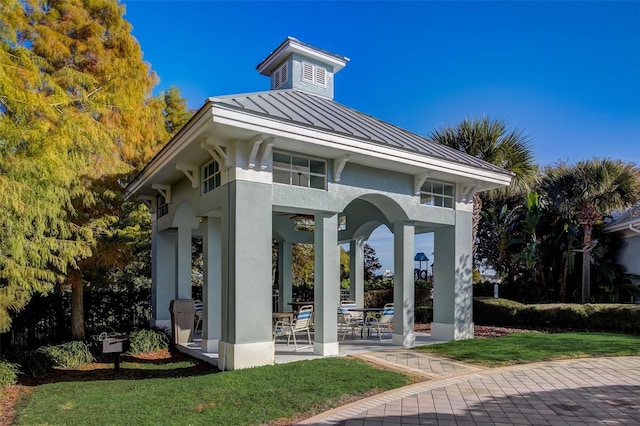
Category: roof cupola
[298,65]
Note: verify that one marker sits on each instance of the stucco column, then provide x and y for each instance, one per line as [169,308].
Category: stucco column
[356,271]
[403,284]
[163,272]
[183,263]
[285,276]
[326,284]
[453,284]
[246,276]
[212,285]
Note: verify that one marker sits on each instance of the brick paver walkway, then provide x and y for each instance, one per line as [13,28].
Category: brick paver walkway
[590,391]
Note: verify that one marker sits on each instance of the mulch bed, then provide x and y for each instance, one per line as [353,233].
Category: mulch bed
[11,395]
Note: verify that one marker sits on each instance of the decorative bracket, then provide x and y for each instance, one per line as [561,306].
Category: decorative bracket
[149,201]
[215,151]
[191,172]
[266,153]
[338,166]
[255,146]
[418,180]
[469,191]
[164,190]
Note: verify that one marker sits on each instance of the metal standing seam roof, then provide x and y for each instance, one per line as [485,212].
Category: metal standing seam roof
[628,217]
[317,112]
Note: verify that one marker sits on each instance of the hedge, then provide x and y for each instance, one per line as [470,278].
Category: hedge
[611,317]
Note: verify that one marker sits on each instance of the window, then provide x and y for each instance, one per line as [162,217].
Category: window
[210,177]
[163,207]
[437,194]
[314,74]
[298,170]
[280,76]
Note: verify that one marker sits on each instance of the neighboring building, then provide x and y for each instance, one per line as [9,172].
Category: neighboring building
[628,225]
[292,165]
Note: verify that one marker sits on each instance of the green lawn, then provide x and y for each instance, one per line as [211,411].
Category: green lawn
[531,347]
[183,393]
[251,396]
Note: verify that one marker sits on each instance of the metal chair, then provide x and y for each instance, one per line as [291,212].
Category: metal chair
[301,323]
[385,322]
[199,314]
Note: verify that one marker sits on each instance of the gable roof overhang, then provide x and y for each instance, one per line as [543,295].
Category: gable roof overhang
[226,119]
[626,221]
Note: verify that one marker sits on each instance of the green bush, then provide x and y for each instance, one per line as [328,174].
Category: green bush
[142,341]
[623,318]
[489,311]
[33,363]
[378,298]
[68,355]
[8,373]
[424,314]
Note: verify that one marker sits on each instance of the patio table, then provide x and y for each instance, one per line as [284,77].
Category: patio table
[279,316]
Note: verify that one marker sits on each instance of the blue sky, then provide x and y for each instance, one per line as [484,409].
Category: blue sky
[565,73]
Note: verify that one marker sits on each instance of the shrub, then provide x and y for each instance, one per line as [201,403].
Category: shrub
[68,355]
[8,373]
[590,317]
[489,311]
[424,314]
[35,363]
[142,341]
[378,298]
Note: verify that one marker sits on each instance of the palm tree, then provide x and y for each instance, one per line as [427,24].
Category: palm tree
[587,192]
[489,140]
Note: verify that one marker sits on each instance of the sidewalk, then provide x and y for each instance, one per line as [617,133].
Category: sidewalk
[587,391]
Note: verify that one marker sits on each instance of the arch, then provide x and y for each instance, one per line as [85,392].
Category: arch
[184,217]
[367,212]
[390,208]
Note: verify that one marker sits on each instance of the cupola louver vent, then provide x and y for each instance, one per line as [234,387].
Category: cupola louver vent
[280,76]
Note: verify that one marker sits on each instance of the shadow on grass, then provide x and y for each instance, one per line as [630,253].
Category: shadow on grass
[170,364]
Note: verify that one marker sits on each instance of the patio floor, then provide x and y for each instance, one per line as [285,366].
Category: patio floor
[286,353]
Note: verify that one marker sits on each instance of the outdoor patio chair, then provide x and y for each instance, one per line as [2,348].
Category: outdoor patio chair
[199,314]
[348,320]
[301,323]
[345,305]
[384,322]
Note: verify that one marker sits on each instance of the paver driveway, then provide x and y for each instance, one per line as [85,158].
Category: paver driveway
[587,391]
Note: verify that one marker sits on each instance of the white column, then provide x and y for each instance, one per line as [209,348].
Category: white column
[403,284]
[212,285]
[183,262]
[453,284]
[356,271]
[247,339]
[285,276]
[326,284]
[163,272]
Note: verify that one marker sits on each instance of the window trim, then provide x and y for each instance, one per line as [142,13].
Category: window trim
[291,171]
[205,178]
[162,207]
[434,195]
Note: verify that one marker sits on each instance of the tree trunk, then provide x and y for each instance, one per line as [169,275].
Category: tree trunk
[77,305]
[477,209]
[563,281]
[586,262]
